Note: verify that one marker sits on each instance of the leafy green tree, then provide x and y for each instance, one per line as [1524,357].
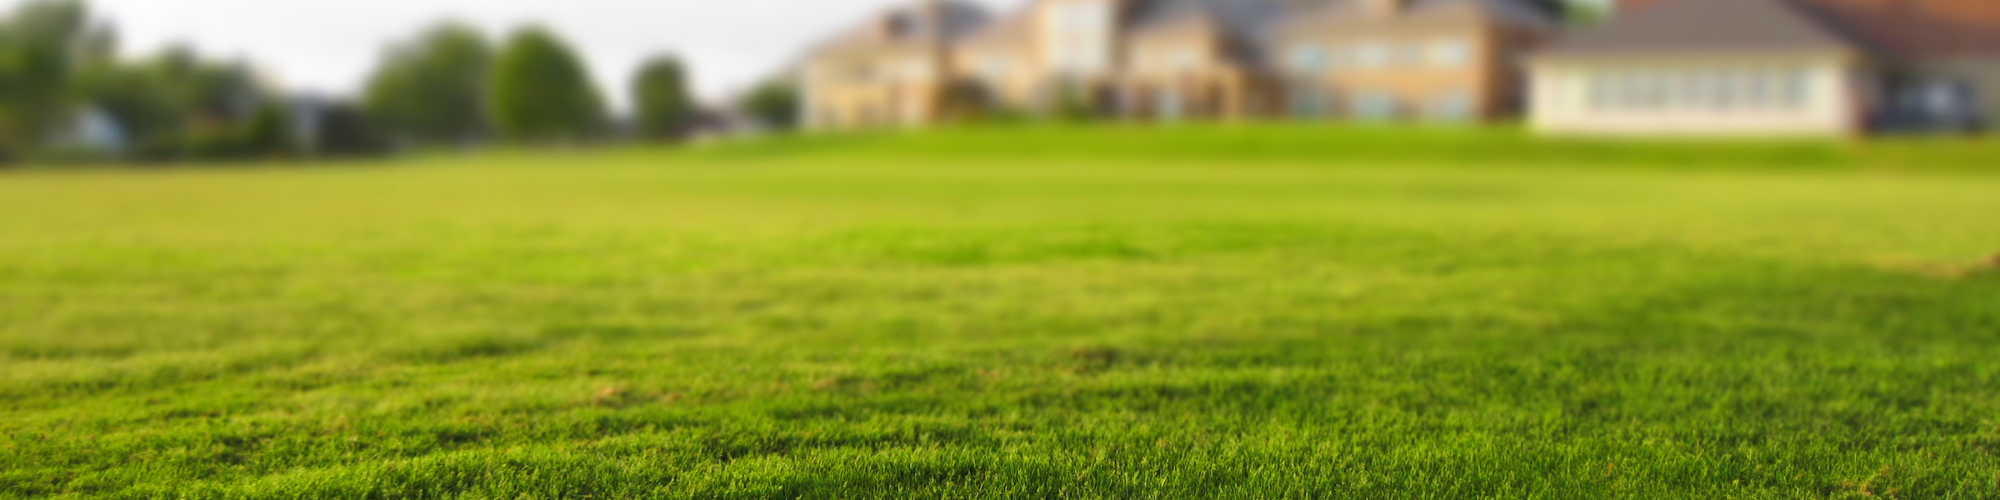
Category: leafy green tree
[542,92]
[268,134]
[434,90]
[177,105]
[660,93]
[775,104]
[44,45]
[142,103]
[344,130]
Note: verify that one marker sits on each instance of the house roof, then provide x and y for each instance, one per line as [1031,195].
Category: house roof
[1888,28]
[1509,12]
[1919,28]
[1015,27]
[1248,26]
[924,22]
[1708,25]
[1238,17]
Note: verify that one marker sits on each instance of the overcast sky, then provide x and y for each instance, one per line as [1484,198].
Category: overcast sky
[330,46]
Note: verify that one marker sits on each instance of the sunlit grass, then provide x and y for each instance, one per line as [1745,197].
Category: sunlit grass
[1256,312]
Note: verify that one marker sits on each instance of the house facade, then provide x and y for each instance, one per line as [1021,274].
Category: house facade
[1774,67]
[1173,60]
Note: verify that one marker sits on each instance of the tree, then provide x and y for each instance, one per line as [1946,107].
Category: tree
[177,105]
[344,130]
[774,103]
[44,44]
[660,94]
[269,132]
[541,91]
[142,103]
[434,90]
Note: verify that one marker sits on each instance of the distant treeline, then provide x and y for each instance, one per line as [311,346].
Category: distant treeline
[68,95]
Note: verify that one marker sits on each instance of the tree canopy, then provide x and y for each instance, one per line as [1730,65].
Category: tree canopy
[542,92]
[44,46]
[660,95]
[433,90]
[774,103]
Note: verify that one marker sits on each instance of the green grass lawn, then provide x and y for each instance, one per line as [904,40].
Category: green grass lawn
[1261,312]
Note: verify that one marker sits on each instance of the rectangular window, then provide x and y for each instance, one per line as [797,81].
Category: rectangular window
[914,70]
[1372,55]
[1309,101]
[1411,55]
[1186,60]
[994,67]
[1793,89]
[1375,106]
[1450,53]
[1654,90]
[1454,106]
[1760,90]
[1601,87]
[1308,59]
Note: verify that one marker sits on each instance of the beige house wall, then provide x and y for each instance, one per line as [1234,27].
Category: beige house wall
[896,86]
[1008,72]
[1835,103]
[1184,73]
[1490,74]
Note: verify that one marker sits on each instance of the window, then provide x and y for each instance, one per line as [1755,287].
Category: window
[1760,89]
[1726,92]
[1652,90]
[1310,102]
[1793,90]
[1607,90]
[914,70]
[1308,59]
[1697,88]
[1450,53]
[1410,55]
[1374,106]
[1172,105]
[991,67]
[1185,60]
[1340,57]
[1371,55]
[1450,106]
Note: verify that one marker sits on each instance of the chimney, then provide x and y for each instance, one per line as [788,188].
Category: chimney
[898,24]
[1382,7]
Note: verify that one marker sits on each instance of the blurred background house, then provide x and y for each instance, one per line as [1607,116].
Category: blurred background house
[1776,67]
[1169,60]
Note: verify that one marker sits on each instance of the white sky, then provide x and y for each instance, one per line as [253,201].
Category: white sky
[330,46]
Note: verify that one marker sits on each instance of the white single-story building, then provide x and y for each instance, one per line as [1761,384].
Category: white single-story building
[1774,67]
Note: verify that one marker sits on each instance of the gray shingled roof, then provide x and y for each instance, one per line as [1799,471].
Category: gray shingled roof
[1710,25]
[930,21]
[1249,25]
[1239,17]
[1513,12]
